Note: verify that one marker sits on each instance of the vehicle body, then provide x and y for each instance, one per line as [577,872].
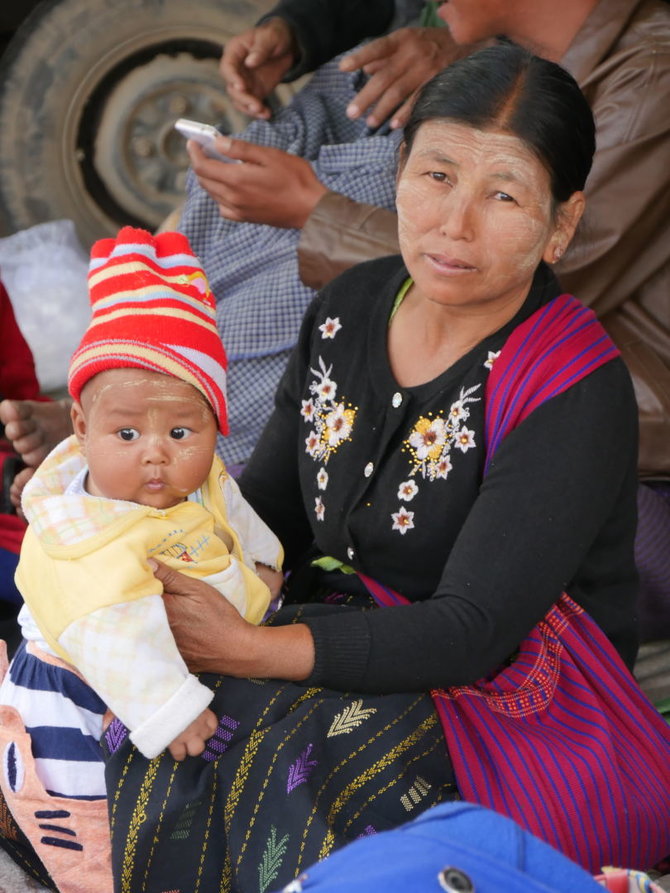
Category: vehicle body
[89,92]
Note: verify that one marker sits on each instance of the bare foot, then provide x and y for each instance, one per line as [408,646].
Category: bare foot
[34,428]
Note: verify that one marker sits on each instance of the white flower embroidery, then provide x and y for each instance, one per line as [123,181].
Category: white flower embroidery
[322,479]
[465,440]
[402,520]
[325,390]
[492,357]
[319,508]
[443,467]
[339,423]
[331,327]
[432,439]
[428,438]
[458,411]
[407,490]
[308,410]
[312,443]
[332,422]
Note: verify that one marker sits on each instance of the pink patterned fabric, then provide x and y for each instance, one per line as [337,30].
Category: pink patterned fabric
[562,740]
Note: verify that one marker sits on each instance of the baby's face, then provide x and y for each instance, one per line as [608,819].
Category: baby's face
[147,438]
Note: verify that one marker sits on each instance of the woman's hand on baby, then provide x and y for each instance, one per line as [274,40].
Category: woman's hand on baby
[213,637]
[192,740]
[271,187]
[209,632]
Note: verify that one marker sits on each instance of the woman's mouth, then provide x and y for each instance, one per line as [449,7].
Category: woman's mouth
[450,265]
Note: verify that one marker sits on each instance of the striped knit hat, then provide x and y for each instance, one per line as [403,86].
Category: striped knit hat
[152,309]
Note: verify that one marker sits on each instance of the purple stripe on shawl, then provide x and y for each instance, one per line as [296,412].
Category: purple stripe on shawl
[567,774]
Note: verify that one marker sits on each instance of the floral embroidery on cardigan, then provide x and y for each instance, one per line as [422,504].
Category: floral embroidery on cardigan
[491,358]
[330,327]
[332,421]
[429,445]
[402,520]
[432,438]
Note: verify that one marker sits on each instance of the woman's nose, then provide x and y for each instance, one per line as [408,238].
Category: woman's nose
[458,218]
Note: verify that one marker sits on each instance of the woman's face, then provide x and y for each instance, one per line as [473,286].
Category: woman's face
[474,216]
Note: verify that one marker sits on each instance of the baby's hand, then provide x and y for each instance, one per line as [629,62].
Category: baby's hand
[192,740]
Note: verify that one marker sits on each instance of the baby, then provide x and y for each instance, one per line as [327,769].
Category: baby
[138,480]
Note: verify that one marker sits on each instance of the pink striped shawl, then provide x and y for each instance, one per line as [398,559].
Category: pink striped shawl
[563,740]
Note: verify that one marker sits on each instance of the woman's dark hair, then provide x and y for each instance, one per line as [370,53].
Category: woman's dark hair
[507,88]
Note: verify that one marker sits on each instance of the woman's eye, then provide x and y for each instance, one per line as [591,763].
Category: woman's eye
[180,433]
[440,176]
[128,434]
[503,197]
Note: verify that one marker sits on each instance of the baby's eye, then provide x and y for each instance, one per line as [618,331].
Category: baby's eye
[180,433]
[129,434]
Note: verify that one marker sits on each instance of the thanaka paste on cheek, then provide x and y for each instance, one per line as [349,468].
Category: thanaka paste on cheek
[474,216]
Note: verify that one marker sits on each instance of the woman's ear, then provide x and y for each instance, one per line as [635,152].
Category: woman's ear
[78,422]
[568,215]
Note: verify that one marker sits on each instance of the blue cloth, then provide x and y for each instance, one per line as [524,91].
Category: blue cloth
[253,268]
[8,591]
[454,846]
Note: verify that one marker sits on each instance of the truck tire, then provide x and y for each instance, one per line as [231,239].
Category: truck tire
[89,90]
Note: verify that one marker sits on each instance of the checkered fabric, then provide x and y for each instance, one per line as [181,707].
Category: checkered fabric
[152,309]
[253,268]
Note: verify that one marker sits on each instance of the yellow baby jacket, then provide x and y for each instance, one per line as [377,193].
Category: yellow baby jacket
[85,579]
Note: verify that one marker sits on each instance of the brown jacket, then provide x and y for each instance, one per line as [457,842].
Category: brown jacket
[619,262]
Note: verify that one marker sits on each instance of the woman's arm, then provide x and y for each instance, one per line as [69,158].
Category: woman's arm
[561,481]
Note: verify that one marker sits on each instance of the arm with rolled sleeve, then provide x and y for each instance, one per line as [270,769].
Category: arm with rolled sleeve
[127,654]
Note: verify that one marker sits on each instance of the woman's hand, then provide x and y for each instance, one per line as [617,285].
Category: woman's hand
[208,630]
[212,637]
[271,187]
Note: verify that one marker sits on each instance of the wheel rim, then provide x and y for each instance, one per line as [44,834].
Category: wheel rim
[139,162]
[107,160]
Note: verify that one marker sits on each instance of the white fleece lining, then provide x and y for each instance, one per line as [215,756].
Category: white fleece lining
[170,720]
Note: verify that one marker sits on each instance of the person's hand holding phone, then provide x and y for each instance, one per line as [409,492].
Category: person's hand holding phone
[271,186]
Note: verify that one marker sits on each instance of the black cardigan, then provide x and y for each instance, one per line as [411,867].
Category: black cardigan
[482,560]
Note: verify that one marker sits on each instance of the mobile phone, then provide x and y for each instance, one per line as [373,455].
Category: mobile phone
[204,134]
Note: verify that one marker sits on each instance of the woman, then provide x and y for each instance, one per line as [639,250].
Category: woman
[379,459]
[398,453]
